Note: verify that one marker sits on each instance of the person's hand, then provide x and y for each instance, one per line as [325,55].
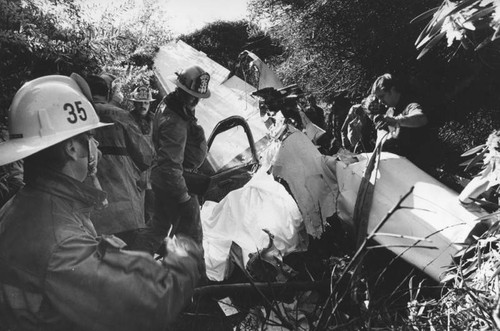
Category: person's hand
[181,246]
[383,121]
[391,121]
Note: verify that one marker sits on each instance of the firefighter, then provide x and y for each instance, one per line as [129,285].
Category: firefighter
[181,148]
[126,155]
[55,273]
[141,98]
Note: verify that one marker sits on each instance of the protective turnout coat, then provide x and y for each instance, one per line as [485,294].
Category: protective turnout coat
[145,125]
[55,275]
[126,153]
[180,145]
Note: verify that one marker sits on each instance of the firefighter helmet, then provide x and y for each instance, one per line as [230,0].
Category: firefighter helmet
[194,80]
[141,94]
[46,111]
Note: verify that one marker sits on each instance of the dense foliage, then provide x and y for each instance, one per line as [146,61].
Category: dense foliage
[334,46]
[467,23]
[40,37]
[33,43]
[342,45]
[224,41]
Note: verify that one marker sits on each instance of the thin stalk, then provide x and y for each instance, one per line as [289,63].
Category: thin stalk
[321,325]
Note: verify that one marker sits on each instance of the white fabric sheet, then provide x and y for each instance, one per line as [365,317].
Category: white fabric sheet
[240,217]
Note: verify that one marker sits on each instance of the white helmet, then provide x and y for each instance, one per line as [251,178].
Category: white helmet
[46,111]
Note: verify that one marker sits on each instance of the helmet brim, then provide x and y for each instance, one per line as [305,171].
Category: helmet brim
[174,80]
[18,148]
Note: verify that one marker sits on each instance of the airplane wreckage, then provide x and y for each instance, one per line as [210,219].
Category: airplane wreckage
[380,195]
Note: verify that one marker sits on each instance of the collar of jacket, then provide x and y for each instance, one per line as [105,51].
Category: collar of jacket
[175,104]
[80,195]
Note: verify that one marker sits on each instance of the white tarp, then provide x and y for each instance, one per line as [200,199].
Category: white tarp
[240,217]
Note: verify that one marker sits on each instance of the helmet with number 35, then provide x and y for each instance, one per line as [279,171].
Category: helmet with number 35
[46,111]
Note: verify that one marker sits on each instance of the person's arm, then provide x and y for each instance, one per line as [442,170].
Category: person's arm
[97,286]
[414,117]
[345,126]
[172,137]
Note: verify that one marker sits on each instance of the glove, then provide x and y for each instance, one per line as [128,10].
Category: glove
[189,210]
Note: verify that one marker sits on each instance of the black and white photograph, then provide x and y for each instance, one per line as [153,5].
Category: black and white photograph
[241,165]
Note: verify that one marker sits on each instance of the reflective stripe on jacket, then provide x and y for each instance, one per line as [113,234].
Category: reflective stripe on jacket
[126,154]
[56,275]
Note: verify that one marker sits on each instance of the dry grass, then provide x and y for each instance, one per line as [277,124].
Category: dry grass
[471,292]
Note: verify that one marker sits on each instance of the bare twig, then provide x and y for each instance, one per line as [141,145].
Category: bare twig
[399,246]
[379,234]
[361,250]
[410,247]
[226,289]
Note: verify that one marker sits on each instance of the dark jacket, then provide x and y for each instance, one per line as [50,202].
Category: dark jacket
[145,124]
[126,154]
[180,145]
[56,275]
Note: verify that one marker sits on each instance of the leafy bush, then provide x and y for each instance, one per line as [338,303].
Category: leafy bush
[470,298]
[331,46]
[34,42]
[41,37]
[223,41]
